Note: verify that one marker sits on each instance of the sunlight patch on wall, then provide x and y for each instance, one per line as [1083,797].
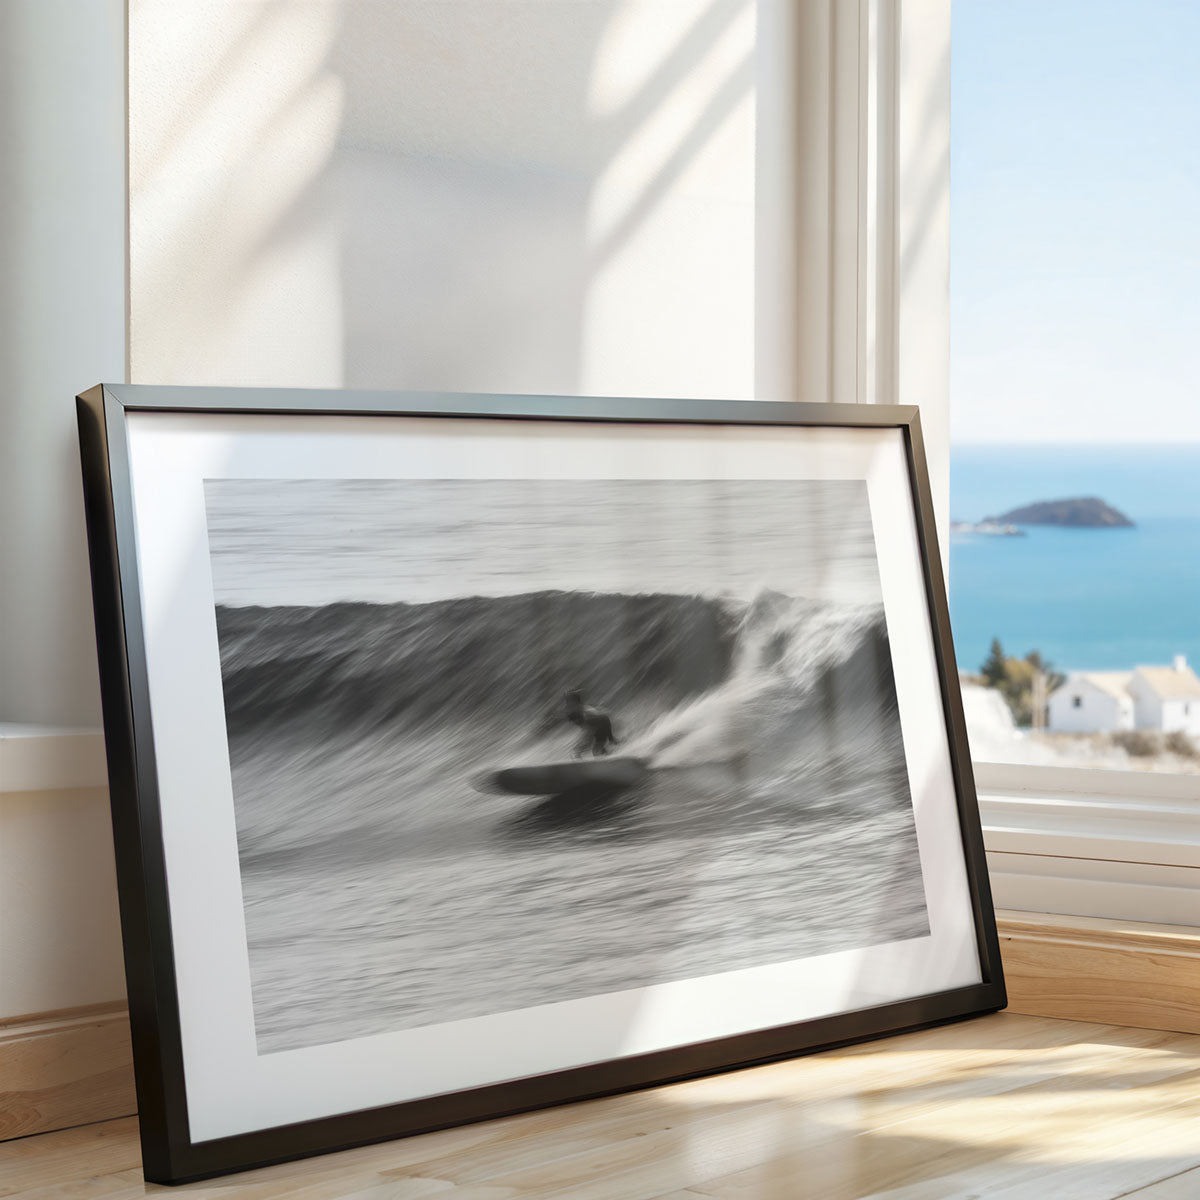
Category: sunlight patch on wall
[233,119]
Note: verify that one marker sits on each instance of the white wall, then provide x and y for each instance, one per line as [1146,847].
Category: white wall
[591,197]
[1152,712]
[1183,715]
[60,939]
[1147,707]
[1099,711]
[62,329]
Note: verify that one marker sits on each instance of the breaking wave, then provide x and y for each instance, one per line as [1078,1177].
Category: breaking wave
[690,678]
[468,659]
[794,663]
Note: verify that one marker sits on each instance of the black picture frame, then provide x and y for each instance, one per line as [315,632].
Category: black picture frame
[169,1154]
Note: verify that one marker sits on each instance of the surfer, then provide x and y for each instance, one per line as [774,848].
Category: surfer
[594,723]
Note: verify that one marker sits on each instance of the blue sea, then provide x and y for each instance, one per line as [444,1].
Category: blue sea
[1086,598]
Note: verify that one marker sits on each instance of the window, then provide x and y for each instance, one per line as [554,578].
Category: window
[1075,460]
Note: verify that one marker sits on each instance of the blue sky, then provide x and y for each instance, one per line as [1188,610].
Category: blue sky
[1075,220]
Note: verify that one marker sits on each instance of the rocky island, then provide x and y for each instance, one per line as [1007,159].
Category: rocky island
[1081,512]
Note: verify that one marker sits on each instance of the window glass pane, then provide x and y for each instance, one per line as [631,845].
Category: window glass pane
[1075,380]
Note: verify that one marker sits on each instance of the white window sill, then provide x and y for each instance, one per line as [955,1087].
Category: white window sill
[1120,845]
[43,758]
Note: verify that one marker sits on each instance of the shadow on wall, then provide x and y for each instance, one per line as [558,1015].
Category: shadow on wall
[497,188]
[464,206]
[62,329]
[494,202]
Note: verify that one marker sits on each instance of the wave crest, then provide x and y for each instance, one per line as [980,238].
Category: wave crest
[469,659]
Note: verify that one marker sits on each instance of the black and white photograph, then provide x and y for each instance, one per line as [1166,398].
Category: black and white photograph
[501,743]
[473,754]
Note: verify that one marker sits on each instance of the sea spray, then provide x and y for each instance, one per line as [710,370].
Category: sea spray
[784,648]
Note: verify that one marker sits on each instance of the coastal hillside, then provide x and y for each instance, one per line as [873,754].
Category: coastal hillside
[1083,512]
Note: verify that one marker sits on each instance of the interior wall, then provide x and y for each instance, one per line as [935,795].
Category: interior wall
[62,329]
[528,197]
[60,938]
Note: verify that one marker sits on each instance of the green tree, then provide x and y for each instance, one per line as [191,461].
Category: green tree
[1017,689]
[1014,679]
[1054,679]
[994,668]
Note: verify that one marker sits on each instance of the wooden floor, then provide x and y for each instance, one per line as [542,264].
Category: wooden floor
[1006,1106]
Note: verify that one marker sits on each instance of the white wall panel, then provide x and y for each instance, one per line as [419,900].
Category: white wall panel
[60,941]
[62,329]
[590,197]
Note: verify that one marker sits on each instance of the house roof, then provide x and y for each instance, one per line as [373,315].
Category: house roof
[1169,683]
[1115,683]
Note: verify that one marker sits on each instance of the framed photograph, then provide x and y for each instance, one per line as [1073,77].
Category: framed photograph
[470,754]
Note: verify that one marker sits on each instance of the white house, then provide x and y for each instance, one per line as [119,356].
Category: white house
[1167,698]
[1092,702]
[1162,698]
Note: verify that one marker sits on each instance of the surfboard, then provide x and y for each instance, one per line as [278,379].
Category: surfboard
[550,779]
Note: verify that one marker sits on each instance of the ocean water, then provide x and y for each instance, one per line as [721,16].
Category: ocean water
[1087,599]
[319,541]
[738,644]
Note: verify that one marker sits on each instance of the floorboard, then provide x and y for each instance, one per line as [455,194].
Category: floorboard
[1004,1108]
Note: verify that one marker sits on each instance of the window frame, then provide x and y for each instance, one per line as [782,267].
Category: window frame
[1116,844]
